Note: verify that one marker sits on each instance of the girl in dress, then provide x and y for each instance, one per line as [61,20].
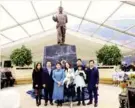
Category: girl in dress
[58,77]
[80,77]
[37,82]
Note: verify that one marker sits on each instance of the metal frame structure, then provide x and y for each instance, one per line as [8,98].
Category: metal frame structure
[82,19]
[37,16]
[107,19]
[84,15]
[15,20]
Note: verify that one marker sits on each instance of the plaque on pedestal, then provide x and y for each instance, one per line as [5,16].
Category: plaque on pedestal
[131,97]
[56,53]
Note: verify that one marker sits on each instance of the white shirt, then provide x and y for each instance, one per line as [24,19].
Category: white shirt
[49,70]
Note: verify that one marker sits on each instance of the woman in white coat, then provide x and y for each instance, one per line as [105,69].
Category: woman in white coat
[69,90]
[69,72]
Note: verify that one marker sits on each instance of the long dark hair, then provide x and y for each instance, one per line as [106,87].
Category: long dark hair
[37,65]
[69,65]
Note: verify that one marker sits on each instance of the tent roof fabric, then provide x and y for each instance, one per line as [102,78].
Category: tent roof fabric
[111,21]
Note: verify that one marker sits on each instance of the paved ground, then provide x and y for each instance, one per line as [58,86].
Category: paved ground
[108,98]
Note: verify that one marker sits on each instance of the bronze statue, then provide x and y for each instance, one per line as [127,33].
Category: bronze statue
[61,20]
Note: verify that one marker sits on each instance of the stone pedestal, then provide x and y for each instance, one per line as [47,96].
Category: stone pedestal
[56,53]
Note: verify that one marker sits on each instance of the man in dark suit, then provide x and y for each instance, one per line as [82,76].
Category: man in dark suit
[48,82]
[93,81]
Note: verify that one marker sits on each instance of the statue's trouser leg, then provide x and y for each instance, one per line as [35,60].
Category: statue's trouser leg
[59,35]
[63,30]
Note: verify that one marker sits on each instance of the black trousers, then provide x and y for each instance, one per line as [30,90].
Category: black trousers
[79,93]
[95,92]
[38,95]
[48,93]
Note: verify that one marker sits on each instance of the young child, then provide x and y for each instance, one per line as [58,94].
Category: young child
[80,77]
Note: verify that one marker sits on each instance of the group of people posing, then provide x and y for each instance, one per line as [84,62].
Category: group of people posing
[64,77]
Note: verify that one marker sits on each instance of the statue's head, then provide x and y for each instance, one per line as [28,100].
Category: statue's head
[60,9]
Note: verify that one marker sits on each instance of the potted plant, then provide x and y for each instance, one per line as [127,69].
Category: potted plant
[21,57]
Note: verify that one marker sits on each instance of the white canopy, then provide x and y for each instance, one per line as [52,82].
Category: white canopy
[110,21]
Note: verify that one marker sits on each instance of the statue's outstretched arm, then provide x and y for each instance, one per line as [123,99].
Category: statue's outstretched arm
[66,19]
[54,18]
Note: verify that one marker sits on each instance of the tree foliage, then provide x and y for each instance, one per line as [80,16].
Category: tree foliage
[109,55]
[21,57]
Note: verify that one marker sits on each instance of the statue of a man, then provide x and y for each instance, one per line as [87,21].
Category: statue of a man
[61,20]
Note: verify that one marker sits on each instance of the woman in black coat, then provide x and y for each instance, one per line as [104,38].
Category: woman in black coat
[37,82]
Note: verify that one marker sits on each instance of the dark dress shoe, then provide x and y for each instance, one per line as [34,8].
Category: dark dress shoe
[37,104]
[60,105]
[83,104]
[45,104]
[57,104]
[51,103]
[78,104]
[95,105]
[89,103]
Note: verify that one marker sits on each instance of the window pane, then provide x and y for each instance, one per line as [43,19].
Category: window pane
[99,41]
[33,27]
[15,33]
[121,38]
[73,22]
[123,18]
[105,33]
[87,27]
[100,10]
[131,45]
[132,30]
